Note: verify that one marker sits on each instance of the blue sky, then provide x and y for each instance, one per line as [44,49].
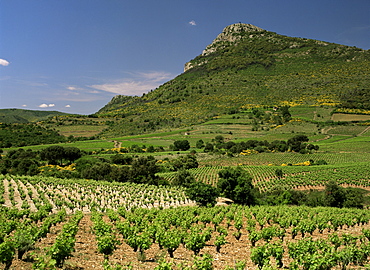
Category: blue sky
[75,55]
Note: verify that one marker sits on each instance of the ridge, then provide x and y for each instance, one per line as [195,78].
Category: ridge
[230,34]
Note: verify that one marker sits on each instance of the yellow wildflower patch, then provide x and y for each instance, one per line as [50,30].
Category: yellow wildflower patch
[71,167]
[352,111]
[248,152]
[305,163]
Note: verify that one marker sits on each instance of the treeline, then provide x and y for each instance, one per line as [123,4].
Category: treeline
[19,135]
[333,196]
[356,99]
[298,143]
[236,184]
[71,162]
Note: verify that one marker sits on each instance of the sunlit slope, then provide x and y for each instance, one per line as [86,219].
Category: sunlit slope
[260,68]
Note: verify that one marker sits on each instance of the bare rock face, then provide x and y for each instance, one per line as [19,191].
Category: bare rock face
[231,34]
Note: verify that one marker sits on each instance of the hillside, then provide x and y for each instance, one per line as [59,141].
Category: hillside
[243,68]
[25,116]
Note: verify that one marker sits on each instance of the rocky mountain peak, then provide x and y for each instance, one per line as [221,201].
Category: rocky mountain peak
[231,34]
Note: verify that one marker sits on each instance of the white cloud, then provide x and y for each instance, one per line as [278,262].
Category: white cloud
[193,23]
[3,62]
[141,83]
[46,105]
[72,88]
[94,92]
[68,106]
[24,105]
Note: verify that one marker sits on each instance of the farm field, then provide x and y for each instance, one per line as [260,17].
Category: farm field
[81,130]
[114,225]
[350,117]
[32,192]
[295,177]
[231,237]
[232,127]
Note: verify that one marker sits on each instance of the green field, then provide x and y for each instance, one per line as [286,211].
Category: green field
[81,130]
[284,232]
[343,147]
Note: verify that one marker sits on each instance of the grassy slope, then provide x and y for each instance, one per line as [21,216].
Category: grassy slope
[25,116]
[300,72]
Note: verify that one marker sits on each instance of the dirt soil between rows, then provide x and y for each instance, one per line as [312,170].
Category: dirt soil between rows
[87,257]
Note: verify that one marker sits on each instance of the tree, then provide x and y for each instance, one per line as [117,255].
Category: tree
[296,143]
[183,178]
[202,193]
[72,153]
[334,194]
[99,171]
[27,167]
[143,170]
[185,162]
[285,113]
[219,139]
[236,184]
[209,147]
[354,198]
[356,98]
[121,159]
[199,144]
[181,145]
[279,173]
[85,163]
[53,154]
[150,149]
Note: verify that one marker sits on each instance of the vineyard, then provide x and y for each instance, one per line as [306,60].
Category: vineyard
[295,177]
[332,158]
[35,193]
[189,237]
[53,223]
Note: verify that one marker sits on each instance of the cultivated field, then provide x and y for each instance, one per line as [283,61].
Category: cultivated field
[224,237]
[87,224]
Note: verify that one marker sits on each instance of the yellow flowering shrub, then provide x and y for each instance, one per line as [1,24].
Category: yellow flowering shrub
[71,167]
[352,111]
[248,152]
[305,163]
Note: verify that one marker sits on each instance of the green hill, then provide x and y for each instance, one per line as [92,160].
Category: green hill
[25,116]
[247,67]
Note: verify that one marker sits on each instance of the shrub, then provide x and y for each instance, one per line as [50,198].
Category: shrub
[202,193]
[236,184]
[181,145]
[183,178]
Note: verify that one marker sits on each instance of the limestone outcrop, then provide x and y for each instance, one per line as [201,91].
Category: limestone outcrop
[231,34]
